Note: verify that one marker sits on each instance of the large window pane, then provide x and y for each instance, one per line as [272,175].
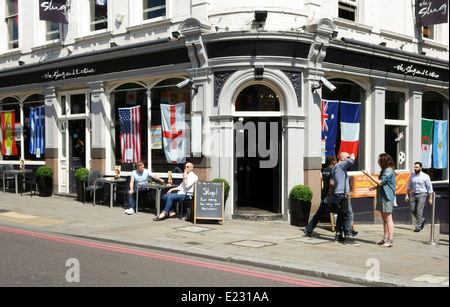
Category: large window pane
[154,8]
[99,15]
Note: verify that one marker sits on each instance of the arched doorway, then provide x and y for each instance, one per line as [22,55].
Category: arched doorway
[257,152]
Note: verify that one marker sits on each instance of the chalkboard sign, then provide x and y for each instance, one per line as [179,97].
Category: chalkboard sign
[208,201]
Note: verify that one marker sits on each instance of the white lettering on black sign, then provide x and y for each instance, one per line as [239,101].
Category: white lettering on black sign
[57,74]
[413,71]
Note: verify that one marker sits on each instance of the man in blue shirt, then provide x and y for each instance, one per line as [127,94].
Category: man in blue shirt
[420,186]
[340,186]
[139,176]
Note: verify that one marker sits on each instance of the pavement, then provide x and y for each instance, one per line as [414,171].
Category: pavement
[411,262]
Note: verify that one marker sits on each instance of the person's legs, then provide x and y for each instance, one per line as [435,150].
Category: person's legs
[169,199]
[313,223]
[132,200]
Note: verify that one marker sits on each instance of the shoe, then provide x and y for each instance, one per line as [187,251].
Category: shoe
[338,237]
[423,224]
[349,241]
[417,229]
[130,211]
[172,215]
[354,233]
[387,244]
[307,233]
[159,218]
[127,210]
[381,242]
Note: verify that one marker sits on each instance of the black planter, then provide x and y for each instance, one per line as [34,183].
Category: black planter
[45,186]
[80,190]
[300,213]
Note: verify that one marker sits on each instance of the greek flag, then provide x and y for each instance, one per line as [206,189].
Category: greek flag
[37,130]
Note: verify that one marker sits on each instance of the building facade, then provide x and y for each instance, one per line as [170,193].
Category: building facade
[252,93]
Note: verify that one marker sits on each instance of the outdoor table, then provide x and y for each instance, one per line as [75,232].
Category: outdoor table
[16,173]
[112,181]
[155,186]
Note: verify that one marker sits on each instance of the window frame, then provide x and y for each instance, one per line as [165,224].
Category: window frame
[12,24]
[93,22]
[145,11]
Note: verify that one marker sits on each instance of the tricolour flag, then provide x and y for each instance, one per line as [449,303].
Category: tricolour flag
[37,130]
[9,147]
[350,112]
[130,134]
[426,143]
[173,126]
[440,144]
[329,125]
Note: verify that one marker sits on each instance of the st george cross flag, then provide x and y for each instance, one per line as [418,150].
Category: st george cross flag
[329,125]
[173,126]
[427,142]
[130,134]
[9,147]
[37,130]
[350,112]
[440,144]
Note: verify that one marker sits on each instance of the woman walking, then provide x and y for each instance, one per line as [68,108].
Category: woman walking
[385,186]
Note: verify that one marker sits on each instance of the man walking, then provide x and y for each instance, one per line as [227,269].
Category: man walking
[340,186]
[420,186]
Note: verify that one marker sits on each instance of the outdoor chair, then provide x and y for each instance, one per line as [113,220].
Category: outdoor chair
[30,179]
[89,188]
[8,177]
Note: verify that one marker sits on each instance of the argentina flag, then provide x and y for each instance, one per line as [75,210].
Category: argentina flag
[37,130]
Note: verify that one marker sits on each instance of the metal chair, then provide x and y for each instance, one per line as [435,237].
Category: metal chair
[90,183]
[8,177]
[185,202]
[123,189]
[30,179]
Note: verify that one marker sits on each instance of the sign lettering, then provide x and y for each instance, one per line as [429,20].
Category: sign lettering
[431,12]
[413,71]
[57,74]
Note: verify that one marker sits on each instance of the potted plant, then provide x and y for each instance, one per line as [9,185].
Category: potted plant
[226,187]
[300,200]
[44,176]
[81,176]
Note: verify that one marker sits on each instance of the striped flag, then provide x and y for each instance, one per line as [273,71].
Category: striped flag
[130,134]
[9,147]
[329,125]
[37,130]
[173,126]
[350,112]
[440,144]
[427,142]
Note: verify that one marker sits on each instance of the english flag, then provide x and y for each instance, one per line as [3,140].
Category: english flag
[350,113]
[130,134]
[427,142]
[173,126]
[329,125]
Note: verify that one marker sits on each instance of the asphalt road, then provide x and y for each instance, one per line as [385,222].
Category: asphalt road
[37,259]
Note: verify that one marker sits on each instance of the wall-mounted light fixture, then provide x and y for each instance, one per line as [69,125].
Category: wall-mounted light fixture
[189,82]
[176,34]
[259,72]
[260,18]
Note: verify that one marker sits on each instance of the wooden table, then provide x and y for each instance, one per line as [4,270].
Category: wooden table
[112,181]
[155,186]
[16,173]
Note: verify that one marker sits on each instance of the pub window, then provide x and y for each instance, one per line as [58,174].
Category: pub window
[52,31]
[257,98]
[154,8]
[428,32]
[395,128]
[347,9]
[99,15]
[12,22]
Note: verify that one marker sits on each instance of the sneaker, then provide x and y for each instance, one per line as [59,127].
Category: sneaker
[349,241]
[338,237]
[417,229]
[130,211]
[307,233]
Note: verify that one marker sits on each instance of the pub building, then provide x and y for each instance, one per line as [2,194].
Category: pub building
[253,85]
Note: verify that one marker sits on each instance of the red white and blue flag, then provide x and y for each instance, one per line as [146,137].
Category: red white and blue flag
[37,130]
[350,114]
[329,125]
[130,134]
[173,126]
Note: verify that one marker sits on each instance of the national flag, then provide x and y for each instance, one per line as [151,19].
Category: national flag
[440,144]
[173,126]
[329,124]
[54,11]
[350,113]
[131,98]
[9,147]
[37,130]
[130,134]
[426,143]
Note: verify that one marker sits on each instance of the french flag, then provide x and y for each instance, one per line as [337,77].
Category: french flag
[350,112]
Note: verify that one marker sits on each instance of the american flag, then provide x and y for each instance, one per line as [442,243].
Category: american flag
[37,130]
[130,134]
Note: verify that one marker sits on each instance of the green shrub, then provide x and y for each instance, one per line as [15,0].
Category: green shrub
[226,186]
[44,171]
[301,192]
[82,174]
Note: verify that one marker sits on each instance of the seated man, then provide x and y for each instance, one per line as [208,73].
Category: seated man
[185,187]
[139,176]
